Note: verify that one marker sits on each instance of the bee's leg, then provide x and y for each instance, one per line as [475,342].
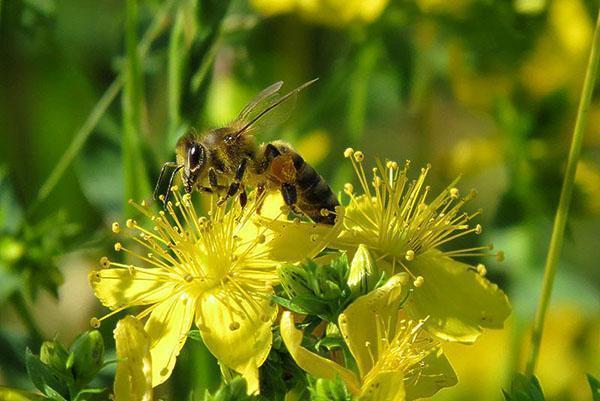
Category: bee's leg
[243,196]
[237,182]
[290,196]
[271,152]
[260,198]
[164,168]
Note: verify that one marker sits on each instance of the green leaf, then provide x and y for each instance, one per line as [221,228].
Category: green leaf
[329,390]
[93,394]
[523,388]
[53,354]
[44,378]
[11,213]
[235,390]
[595,387]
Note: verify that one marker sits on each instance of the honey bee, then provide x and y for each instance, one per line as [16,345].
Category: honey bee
[226,160]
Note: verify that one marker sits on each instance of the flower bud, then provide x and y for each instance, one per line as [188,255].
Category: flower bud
[363,272]
[87,355]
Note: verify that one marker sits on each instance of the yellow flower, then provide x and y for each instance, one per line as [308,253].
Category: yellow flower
[218,271]
[396,360]
[404,229]
[336,13]
[133,380]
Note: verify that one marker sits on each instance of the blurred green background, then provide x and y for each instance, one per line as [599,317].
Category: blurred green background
[94,94]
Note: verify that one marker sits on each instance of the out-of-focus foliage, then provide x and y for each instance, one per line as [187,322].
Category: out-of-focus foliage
[483,88]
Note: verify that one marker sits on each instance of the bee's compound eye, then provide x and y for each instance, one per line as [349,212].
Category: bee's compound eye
[229,139]
[195,156]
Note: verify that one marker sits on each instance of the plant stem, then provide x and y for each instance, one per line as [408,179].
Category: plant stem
[566,193]
[98,111]
[18,301]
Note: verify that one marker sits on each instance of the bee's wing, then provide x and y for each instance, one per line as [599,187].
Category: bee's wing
[268,109]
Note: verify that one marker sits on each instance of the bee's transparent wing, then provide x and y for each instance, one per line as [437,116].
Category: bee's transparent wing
[268,109]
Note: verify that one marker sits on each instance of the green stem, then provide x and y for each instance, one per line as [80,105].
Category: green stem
[81,136]
[566,193]
[24,313]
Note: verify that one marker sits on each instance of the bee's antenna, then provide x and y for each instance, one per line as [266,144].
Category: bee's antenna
[164,168]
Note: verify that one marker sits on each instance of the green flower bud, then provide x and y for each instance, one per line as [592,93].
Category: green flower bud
[87,355]
[363,275]
[54,355]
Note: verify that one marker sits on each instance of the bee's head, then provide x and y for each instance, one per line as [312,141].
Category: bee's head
[192,159]
[193,164]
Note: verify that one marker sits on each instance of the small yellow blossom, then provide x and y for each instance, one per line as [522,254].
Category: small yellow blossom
[336,13]
[396,360]
[133,379]
[404,229]
[218,271]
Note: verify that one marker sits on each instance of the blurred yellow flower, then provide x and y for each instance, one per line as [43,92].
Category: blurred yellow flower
[404,229]
[133,379]
[559,58]
[336,13]
[217,270]
[396,360]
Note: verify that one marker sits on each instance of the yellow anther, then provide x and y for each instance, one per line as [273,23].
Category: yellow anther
[348,188]
[324,212]
[118,246]
[454,193]
[419,281]
[410,255]
[188,277]
[359,156]
[95,322]
[104,262]
[116,228]
[481,269]
[234,326]
[174,188]
[261,239]
[348,152]
[130,223]
[376,181]
[478,229]
[392,165]
[500,256]
[143,203]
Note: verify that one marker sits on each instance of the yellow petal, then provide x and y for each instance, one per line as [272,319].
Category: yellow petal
[435,374]
[295,241]
[133,380]
[312,363]
[116,287]
[240,344]
[11,394]
[382,303]
[384,386]
[167,329]
[458,301]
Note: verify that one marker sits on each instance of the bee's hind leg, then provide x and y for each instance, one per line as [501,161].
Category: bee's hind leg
[290,197]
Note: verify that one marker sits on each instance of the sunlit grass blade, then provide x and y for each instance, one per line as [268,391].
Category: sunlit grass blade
[176,61]
[135,175]
[158,25]
[560,220]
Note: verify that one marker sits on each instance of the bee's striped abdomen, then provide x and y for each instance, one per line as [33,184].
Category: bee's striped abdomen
[314,194]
